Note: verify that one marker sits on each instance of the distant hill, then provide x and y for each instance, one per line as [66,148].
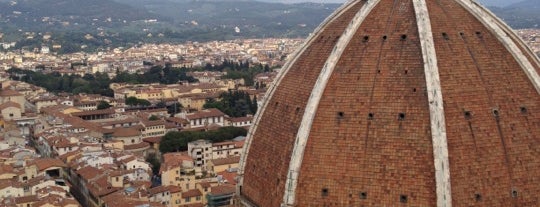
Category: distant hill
[524,14]
[71,9]
[111,23]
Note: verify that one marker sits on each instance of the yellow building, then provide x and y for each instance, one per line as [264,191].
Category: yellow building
[7,95]
[11,110]
[178,169]
[223,164]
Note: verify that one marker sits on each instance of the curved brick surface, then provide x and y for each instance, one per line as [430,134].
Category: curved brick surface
[361,153]
[265,178]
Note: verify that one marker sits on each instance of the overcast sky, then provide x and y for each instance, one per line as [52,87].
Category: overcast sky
[499,3]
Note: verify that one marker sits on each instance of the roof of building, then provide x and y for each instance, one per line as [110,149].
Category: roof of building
[138,146]
[9,92]
[26,199]
[9,104]
[206,113]
[94,112]
[152,139]
[191,193]
[225,189]
[397,99]
[226,161]
[45,163]
[158,189]
[126,132]
[229,176]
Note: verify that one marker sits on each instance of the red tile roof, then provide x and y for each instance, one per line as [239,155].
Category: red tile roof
[222,190]
[45,163]
[226,161]
[191,193]
[9,104]
[205,113]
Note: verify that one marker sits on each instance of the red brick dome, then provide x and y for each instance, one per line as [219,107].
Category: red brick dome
[400,102]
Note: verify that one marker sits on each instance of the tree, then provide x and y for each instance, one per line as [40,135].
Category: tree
[153,118]
[154,162]
[233,103]
[132,101]
[178,141]
[103,105]
[174,108]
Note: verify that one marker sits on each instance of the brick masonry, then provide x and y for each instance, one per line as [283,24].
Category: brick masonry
[360,152]
[265,178]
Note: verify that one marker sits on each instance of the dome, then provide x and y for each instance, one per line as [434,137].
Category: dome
[400,102]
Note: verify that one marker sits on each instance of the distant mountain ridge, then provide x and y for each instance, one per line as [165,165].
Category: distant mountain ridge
[111,23]
[523,14]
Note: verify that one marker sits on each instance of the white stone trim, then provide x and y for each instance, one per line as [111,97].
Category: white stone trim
[314,99]
[498,28]
[512,34]
[271,89]
[436,108]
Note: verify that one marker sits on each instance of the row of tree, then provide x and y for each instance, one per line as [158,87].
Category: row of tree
[239,70]
[156,74]
[98,83]
[55,82]
[234,103]
[178,141]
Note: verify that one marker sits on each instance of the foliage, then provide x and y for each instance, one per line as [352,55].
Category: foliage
[153,118]
[54,82]
[239,70]
[103,105]
[156,74]
[154,162]
[178,141]
[234,103]
[98,83]
[134,101]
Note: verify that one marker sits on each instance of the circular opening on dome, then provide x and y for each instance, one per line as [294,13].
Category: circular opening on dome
[366,38]
[406,71]
[370,116]
[478,34]
[403,198]
[379,71]
[276,104]
[514,193]
[445,36]
[523,110]
[340,114]
[401,116]
[468,114]
[297,110]
[324,192]
[477,197]
[403,37]
[414,90]
[495,112]
[363,195]
[384,37]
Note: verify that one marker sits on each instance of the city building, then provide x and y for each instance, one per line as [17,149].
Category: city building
[400,103]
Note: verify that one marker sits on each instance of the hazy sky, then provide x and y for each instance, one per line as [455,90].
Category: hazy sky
[485,2]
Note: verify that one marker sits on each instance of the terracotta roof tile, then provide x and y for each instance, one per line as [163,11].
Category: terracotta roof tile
[226,161]
[222,190]
[191,193]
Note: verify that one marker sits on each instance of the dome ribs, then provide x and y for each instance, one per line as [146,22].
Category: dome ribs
[293,92]
[479,76]
[375,149]
[372,131]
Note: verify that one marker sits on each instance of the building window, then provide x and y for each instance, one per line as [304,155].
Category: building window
[188,199]
[198,198]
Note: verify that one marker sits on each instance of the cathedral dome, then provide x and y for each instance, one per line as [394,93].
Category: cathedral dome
[400,102]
